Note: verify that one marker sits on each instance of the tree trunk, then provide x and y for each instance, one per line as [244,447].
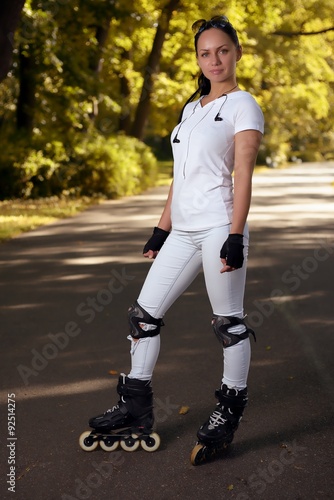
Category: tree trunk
[125,118]
[26,102]
[152,68]
[101,36]
[10,11]
[125,91]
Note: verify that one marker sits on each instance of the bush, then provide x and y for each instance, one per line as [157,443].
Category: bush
[112,167]
[43,171]
[26,172]
[307,156]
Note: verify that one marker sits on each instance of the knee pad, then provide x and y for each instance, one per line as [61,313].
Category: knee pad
[221,325]
[142,324]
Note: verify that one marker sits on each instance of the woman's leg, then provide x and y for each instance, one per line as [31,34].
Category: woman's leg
[175,267]
[226,294]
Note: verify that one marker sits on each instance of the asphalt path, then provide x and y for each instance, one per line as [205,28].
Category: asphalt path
[64,291]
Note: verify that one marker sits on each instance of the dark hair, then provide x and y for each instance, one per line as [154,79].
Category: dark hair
[219,22]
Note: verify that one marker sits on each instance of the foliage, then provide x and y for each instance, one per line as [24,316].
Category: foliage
[80,71]
[113,167]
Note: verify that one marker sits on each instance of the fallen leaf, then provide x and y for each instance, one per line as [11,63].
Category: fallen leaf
[113,372]
[183,410]
[230,487]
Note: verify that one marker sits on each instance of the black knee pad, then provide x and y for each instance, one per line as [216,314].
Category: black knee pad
[142,324]
[221,324]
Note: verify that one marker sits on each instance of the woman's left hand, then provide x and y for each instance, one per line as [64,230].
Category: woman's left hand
[226,268]
[232,253]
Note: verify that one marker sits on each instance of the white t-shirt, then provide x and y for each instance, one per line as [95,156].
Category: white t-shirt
[204,159]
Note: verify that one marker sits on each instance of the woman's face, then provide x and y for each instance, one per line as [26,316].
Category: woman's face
[217,55]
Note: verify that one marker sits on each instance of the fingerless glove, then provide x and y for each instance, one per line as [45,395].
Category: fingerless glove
[233,251]
[156,241]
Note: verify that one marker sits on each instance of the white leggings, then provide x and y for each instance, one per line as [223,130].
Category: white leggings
[178,263]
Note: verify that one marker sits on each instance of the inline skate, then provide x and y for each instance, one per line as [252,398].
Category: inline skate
[129,423]
[217,432]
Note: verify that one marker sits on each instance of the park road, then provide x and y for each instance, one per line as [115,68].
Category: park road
[65,289]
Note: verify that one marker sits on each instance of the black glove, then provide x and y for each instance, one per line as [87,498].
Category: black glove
[156,241]
[233,251]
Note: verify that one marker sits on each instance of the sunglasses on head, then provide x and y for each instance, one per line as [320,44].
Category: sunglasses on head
[214,22]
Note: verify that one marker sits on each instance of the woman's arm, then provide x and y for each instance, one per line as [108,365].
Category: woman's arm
[247,145]
[165,219]
[165,224]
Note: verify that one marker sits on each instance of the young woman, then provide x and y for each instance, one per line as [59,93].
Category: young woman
[203,226]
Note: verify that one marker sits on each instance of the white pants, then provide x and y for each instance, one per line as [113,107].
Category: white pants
[179,261]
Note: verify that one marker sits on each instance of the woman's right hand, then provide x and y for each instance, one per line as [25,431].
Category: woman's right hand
[154,244]
[150,254]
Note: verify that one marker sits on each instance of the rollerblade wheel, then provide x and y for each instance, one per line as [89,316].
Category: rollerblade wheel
[130,443]
[151,442]
[109,444]
[202,453]
[198,454]
[87,441]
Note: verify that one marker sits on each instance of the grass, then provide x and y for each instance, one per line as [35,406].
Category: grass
[19,216]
